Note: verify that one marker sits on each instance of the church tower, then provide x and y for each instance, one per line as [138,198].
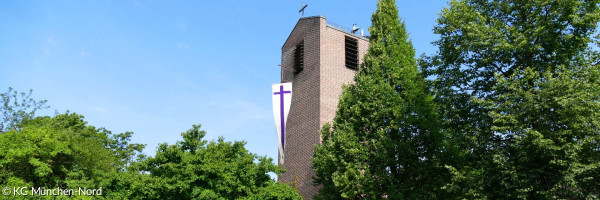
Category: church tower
[318,58]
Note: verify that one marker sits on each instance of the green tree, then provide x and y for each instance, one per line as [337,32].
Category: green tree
[16,107]
[518,88]
[62,151]
[385,140]
[65,152]
[197,169]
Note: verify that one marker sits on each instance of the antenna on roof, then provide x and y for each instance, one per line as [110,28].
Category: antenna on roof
[355,28]
[302,9]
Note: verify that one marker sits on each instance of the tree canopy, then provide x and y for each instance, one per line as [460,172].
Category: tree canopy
[517,85]
[16,107]
[62,151]
[65,152]
[197,169]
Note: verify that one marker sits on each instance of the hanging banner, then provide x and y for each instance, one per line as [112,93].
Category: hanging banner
[282,99]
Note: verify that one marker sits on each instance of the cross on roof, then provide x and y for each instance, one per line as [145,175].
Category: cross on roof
[302,9]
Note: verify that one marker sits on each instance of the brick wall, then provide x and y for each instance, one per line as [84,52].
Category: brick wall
[316,91]
[334,72]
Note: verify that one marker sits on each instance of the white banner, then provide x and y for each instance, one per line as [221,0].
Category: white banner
[282,99]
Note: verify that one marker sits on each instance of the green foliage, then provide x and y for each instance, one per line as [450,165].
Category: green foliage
[518,89]
[197,169]
[274,191]
[481,38]
[16,107]
[64,152]
[517,84]
[552,125]
[385,139]
[61,151]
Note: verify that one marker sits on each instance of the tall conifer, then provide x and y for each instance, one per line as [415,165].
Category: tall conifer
[384,141]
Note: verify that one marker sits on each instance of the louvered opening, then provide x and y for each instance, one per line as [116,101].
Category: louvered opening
[299,57]
[351,53]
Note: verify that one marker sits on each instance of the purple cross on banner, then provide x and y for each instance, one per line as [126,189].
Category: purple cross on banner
[282,111]
[282,98]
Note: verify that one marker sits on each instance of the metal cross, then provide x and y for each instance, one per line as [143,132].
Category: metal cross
[302,9]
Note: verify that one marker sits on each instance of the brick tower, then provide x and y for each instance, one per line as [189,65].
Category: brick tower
[318,58]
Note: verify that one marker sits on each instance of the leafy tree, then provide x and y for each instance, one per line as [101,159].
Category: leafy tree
[554,130]
[385,140]
[121,147]
[517,82]
[62,151]
[65,152]
[197,169]
[17,107]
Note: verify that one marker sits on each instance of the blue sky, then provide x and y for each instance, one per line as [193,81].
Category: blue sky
[157,67]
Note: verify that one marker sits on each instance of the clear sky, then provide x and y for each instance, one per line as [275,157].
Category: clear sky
[157,67]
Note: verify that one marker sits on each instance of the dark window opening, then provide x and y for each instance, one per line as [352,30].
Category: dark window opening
[299,57]
[351,53]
